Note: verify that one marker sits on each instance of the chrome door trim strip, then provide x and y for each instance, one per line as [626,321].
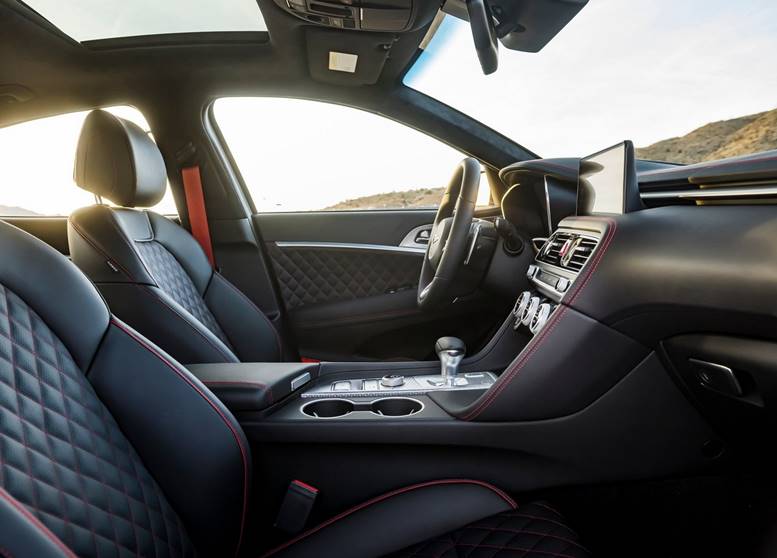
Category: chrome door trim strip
[352,246]
[712,193]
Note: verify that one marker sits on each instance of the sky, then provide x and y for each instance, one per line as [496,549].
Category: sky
[621,69]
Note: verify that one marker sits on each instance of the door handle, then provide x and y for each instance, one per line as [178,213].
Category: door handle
[423,236]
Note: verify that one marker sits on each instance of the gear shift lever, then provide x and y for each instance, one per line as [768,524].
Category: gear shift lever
[451,351]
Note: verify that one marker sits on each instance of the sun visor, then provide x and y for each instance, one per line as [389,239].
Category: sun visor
[347,58]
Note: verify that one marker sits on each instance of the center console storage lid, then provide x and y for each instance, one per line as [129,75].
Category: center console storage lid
[253,386]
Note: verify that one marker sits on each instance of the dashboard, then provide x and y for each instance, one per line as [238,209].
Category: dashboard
[684,264]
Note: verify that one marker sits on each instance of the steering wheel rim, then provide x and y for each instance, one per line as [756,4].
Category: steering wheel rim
[447,246]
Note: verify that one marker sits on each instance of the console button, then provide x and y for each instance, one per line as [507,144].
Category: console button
[531,271]
[344,385]
[392,380]
[562,285]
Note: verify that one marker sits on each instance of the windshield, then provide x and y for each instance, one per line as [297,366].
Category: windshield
[686,81]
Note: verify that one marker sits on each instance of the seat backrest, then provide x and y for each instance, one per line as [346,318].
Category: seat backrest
[151,271]
[107,446]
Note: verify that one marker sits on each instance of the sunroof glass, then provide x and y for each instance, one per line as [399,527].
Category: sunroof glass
[88,20]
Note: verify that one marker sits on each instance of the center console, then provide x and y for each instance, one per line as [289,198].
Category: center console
[555,269]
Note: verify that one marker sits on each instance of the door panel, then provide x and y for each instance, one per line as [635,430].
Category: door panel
[315,273]
[349,280]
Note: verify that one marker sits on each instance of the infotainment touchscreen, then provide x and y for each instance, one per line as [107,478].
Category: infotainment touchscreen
[608,181]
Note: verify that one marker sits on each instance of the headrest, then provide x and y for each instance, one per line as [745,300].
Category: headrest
[118,161]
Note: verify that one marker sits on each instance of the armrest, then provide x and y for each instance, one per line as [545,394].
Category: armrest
[253,386]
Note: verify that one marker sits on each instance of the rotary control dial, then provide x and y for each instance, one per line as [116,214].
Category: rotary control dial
[520,307]
[531,309]
[540,317]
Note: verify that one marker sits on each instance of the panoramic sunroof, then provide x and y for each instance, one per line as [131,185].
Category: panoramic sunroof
[89,20]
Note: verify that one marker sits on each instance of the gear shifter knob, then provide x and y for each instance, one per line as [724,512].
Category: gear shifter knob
[451,351]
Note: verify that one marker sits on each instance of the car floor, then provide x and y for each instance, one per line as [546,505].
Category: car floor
[732,515]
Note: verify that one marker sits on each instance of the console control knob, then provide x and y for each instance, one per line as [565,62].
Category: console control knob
[392,380]
[521,304]
[542,315]
[531,309]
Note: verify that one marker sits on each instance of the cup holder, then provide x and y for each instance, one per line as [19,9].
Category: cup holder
[396,407]
[328,408]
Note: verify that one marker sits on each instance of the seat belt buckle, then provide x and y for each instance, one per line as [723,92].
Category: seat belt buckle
[296,507]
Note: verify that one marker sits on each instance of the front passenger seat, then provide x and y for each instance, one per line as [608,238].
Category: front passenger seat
[153,273]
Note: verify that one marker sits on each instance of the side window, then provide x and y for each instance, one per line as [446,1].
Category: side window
[299,155]
[36,174]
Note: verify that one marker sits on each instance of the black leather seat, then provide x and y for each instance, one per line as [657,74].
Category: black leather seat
[108,447]
[152,272]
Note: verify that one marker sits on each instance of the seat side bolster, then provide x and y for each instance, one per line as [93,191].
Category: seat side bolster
[250,331]
[191,444]
[102,250]
[21,534]
[153,312]
[399,519]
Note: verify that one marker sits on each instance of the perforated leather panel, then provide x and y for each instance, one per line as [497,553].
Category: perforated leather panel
[532,531]
[174,281]
[63,456]
[313,275]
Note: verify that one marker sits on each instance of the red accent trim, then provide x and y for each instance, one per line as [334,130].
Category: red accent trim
[386,496]
[195,205]
[305,485]
[534,344]
[36,522]
[243,452]
[309,360]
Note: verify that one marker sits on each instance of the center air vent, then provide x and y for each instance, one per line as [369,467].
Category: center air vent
[568,250]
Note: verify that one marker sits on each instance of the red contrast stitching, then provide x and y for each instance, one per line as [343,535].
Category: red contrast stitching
[535,343]
[36,522]
[183,376]
[386,496]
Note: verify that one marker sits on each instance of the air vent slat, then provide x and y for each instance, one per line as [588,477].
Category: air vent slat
[568,250]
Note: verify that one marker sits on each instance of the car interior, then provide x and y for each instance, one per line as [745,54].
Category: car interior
[211,345]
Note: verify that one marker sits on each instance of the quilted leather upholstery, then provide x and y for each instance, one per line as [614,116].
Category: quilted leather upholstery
[533,530]
[63,456]
[310,276]
[173,280]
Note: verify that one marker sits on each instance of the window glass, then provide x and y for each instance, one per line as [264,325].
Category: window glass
[37,169]
[686,81]
[298,155]
[87,20]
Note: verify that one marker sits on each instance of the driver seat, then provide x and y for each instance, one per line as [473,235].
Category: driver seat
[153,273]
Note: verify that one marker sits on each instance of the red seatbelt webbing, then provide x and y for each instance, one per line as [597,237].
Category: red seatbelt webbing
[195,204]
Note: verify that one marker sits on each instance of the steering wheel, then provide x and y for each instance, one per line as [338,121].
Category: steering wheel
[447,246]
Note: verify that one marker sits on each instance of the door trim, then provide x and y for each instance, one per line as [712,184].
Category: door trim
[352,246]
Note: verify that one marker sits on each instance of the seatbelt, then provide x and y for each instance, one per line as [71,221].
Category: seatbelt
[195,205]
